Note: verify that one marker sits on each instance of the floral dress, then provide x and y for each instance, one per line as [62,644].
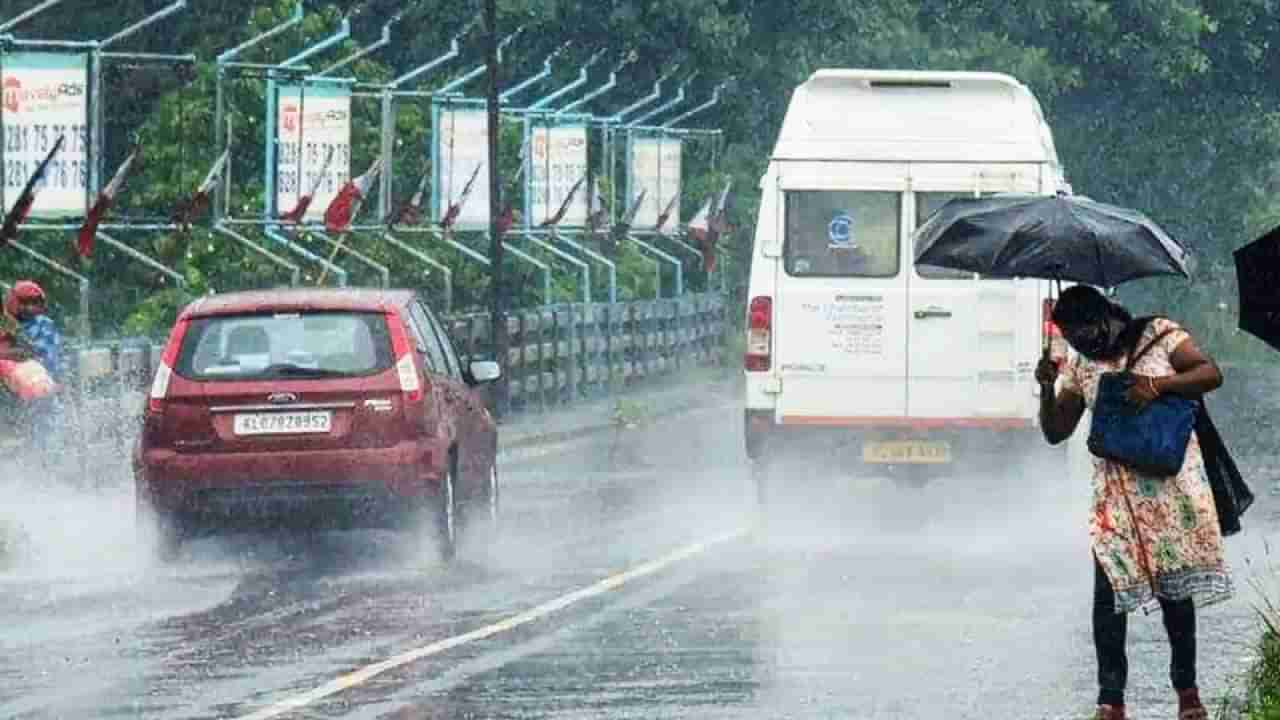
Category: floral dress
[1153,536]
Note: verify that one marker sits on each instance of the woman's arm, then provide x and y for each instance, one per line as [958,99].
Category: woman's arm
[1060,412]
[1195,374]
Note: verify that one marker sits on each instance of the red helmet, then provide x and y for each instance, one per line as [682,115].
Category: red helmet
[23,291]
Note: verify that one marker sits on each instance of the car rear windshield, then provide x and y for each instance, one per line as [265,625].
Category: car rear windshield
[285,345]
[842,233]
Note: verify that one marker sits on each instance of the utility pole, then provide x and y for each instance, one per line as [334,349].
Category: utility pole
[498,316]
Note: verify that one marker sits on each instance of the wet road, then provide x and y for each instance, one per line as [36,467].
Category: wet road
[637,588]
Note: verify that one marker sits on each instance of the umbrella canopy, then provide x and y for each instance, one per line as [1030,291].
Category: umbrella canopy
[1054,237]
[1258,276]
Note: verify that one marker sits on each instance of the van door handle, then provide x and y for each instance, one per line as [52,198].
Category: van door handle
[932,312]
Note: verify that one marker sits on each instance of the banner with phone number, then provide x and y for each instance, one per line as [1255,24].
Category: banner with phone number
[309,126]
[654,167]
[462,145]
[44,96]
[558,161]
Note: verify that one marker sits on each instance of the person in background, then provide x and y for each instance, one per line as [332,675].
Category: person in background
[1154,539]
[27,302]
[36,337]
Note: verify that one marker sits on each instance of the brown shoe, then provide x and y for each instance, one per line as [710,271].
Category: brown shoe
[1111,712]
[1190,707]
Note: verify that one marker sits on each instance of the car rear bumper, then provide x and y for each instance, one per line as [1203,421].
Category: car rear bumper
[953,443]
[273,483]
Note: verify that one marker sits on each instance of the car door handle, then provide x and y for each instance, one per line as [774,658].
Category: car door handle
[932,313]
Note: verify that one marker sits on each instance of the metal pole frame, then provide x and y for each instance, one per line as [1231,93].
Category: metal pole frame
[541,103]
[144,259]
[546,270]
[583,267]
[388,94]
[476,72]
[542,75]
[675,261]
[657,273]
[225,61]
[383,41]
[273,232]
[381,269]
[272,100]
[27,15]
[295,270]
[715,99]
[679,98]
[588,252]
[428,260]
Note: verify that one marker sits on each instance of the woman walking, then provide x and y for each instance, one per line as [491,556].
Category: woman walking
[1154,539]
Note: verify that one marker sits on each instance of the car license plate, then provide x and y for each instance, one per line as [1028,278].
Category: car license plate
[285,423]
[907,452]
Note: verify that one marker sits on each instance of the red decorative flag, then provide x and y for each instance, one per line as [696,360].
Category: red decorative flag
[719,221]
[22,207]
[564,206]
[699,229]
[343,209]
[186,213]
[451,215]
[107,196]
[299,210]
[411,212]
[598,210]
[623,226]
[665,225]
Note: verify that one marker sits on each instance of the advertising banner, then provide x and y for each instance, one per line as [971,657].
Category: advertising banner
[312,128]
[654,165]
[45,95]
[558,160]
[462,145]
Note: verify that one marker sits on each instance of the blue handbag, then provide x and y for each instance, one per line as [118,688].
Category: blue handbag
[1153,441]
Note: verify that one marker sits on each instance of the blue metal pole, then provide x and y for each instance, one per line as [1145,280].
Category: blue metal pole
[582,80]
[545,73]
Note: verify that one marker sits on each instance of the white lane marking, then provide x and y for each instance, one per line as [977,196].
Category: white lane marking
[363,675]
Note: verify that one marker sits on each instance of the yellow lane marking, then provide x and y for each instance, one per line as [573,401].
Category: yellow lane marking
[367,673]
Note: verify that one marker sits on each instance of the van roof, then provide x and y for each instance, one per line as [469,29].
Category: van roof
[298,300]
[908,115]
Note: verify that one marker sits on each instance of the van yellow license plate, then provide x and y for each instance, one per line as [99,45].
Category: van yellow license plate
[907,452]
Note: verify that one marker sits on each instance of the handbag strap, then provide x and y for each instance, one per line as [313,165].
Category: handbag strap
[1133,359]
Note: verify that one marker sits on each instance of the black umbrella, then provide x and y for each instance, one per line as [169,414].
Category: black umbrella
[1258,276]
[1053,237]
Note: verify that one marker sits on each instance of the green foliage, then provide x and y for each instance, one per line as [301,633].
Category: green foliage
[1167,107]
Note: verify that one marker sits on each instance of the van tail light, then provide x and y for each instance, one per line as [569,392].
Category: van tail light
[759,334]
[411,384]
[164,372]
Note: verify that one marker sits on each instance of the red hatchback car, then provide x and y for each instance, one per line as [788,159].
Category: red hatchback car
[315,407]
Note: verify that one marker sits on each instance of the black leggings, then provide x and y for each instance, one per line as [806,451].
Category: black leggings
[1110,628]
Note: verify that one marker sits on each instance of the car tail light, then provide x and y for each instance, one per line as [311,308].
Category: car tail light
[759,334]
[164,372]
[411,385]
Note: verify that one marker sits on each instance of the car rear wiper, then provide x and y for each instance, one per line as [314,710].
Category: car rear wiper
[289,369]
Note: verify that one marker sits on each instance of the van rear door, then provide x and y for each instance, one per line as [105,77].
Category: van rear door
[973,342]
[841,293]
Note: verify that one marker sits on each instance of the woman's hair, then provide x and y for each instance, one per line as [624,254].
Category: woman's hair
[1083,305]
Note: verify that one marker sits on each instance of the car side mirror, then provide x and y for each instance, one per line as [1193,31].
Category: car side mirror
[484,371]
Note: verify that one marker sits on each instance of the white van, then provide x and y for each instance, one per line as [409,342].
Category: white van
[915,370]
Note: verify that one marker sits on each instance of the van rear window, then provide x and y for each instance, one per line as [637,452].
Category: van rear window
[841,233]
[285,345]
[926,204]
